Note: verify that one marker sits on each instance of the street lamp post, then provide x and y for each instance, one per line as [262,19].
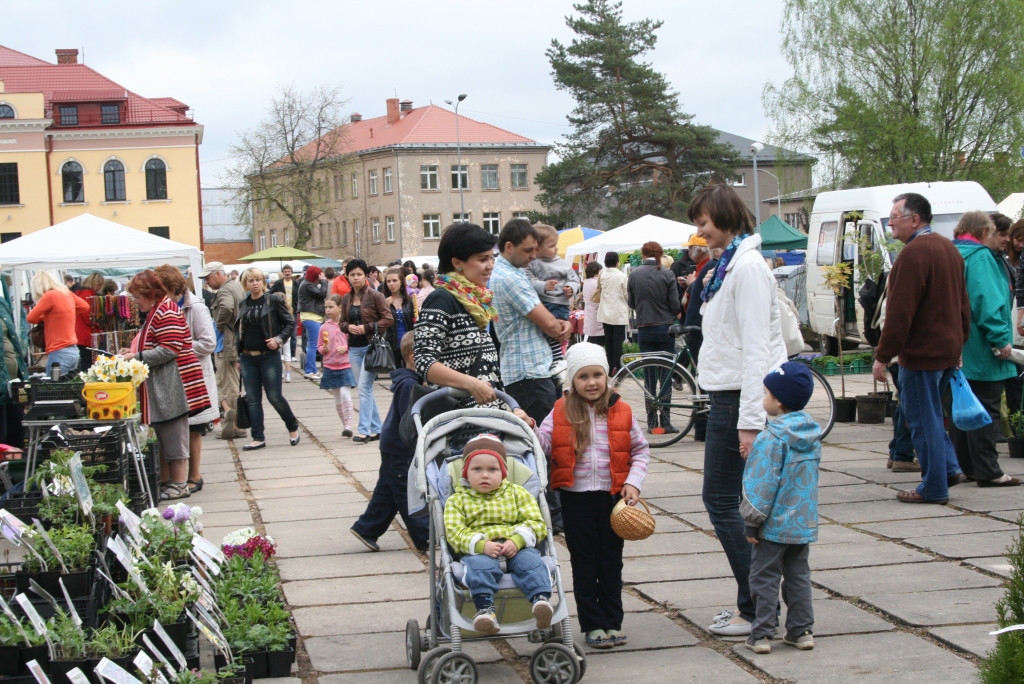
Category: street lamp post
[778,186]
[755,148]
[458,153]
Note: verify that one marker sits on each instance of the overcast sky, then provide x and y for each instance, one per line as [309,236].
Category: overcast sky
[224,57]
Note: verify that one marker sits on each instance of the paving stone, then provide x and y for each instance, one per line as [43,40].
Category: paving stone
[349,565]
[831,479]
[853,493]
[496,673]
[854,555]
[837,534]
[697,593]
[874,472]
[934,576]
[365,618]
[326,538]
[645,631]
[973,639]
[299,512]
[667,666]
[228,518]
[297,493]
[342,653]
[630,603]
[335,478]
[679,504]
[674,543]
[974,498]
[837,454]
[219,477]
[831,617]
[863,659]
[667,568]
[997,565]
[288,471]
[931,527]
[932,608]
[681,483]
[878,511]
[1009,516]
[209,504]
[339,590]
[664,524]
[967,545]
[699,519]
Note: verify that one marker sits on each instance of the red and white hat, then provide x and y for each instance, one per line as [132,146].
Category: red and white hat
[484,444]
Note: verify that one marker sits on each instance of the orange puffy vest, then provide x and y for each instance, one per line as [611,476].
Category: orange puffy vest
[563,452]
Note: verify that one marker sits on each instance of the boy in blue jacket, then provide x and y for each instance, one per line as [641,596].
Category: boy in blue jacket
[390,494]
[780,508]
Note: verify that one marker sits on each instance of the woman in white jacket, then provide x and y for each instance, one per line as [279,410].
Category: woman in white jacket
[742,343]
[613,311]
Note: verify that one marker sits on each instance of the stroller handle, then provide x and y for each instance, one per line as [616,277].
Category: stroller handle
[417,408]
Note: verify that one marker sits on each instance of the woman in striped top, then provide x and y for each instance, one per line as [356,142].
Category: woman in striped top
[173,391]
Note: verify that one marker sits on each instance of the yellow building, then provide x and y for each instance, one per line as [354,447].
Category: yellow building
[72,141]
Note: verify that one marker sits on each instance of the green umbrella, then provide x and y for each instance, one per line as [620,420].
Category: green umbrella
[281,253]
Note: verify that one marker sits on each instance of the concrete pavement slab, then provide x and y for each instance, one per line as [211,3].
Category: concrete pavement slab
[334,478]
[831,617]
[698,519]
[226,519]
[674,543]
[664,524]
[277,514]
[667,568]
[349,565]
[997,565]
[973,639]
[974,498]
[829,533]
[931,608]
[646,631]
[679,504]
[498,673]
[930,527]
[326,538]
[860,554]
[853,493]
[364,618]
[967,545]
[297,493]
[209,504]
[630,603]
[667,666]
[291,471]
[697,593]
[370,589]
[934,576]
[342,653]
[878,511]
[875,472]
[1009,516]
[832,479]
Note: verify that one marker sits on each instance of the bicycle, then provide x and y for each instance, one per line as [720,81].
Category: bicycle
[643,379]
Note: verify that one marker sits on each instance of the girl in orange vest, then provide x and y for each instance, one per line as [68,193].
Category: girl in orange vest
[597,455]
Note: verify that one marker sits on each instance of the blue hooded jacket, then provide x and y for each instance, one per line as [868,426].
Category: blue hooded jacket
[780,481]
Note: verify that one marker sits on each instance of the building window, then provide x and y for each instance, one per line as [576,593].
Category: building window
[162,231]
[337,187]
[375,229]
[428,177]
[156,180]
[326,238]
[9,184]
[7,237]
[113,181]
[273,238]
[460,177]
[739,180]
[492,222]
[373,182]
[263,241]
[6,112]
[110,114]
[69,116]
[431,226]
[71,176]
[462,218]
[389,227]
[519,177]
[387,180]
[344,233]
[355,185]
[521,214]
[355,231]
[489,177]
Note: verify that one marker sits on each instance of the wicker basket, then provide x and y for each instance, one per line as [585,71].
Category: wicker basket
[630,523]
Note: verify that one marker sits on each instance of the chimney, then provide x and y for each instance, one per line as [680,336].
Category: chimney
[393,114]
[67,56]
[356,116]
[405,105]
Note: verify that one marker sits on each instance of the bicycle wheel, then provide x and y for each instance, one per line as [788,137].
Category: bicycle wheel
[822,405]
[664,409]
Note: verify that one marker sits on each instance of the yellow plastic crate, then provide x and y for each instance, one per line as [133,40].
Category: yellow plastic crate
[109,400]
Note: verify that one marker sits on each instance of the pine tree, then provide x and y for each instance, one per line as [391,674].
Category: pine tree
[632,150]
[1005,663]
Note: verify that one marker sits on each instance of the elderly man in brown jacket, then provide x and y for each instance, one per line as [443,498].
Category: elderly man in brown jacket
[225,315]
[927,321]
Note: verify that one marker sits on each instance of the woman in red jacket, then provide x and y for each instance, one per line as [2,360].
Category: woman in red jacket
[56,308]
[84,327]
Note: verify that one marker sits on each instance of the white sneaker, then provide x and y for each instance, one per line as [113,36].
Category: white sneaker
[724,616]
[542,612]
[287,377]
[731,628]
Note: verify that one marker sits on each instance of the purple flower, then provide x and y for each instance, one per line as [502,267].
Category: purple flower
[168,513]
[182,514]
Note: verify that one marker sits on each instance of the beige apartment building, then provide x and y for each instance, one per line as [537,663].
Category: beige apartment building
[403,185]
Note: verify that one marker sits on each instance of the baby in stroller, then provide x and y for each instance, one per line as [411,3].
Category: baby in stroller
[488,519]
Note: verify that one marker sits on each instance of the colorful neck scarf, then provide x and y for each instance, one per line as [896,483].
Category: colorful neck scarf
[715,284]
[474,299]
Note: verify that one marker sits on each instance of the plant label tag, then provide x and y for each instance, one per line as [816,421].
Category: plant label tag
[159,654]
[10,527]
[43,594]
[202,580]
[49,542]
[207,632]
[81,484]
[209,548]
[33,616]
[117,546]
[145,665]
[169,643]
[37,672]
[132,523]
[210,564]
[71,605]
[78,677]
[205,600]
[114,672]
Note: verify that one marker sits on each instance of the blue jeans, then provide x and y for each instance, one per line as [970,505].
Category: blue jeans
[312,329]
[69,358]
[559,311]
[655,338]
[526,567]
[369,417]
[261,373]
[901,447]
[389,499]
[723,489]
[921,399]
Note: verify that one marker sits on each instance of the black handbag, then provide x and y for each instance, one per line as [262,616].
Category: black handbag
[242,413]
[379,357]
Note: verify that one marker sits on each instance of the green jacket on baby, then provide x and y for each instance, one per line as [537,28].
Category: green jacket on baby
[473,518]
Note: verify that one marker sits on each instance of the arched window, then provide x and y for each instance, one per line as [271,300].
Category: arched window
[71,174]
[113,180]
[156,180]
[6,112]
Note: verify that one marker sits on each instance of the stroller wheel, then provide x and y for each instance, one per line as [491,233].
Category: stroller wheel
[412,644]
[454,668]
[428,662]
[554,664]
[579,653]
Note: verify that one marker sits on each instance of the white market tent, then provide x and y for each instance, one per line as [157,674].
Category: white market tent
[1012,205]
[667,233]
[89,241]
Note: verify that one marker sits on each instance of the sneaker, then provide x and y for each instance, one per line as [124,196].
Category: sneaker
[906,467]
[542,612]
[347,432]
[731,628]
[724,616]
[617,636]
[372,545]
[762,645]
[805,642]
[599,639]
[287,377]
[486,622]
[314,376]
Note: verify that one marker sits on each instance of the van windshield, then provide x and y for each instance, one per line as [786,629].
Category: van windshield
[943,224]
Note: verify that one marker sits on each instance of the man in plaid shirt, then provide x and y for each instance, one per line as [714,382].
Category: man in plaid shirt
[488,518]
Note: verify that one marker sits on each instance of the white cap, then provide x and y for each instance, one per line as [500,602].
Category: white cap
[583,354]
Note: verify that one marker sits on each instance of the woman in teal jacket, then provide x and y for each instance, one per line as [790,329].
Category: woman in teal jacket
[986,354]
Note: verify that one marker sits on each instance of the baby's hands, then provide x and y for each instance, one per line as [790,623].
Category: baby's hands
[509,549]
[493,549]
[567,290]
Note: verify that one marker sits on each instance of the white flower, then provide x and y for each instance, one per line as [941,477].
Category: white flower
[196,512]
[238,537]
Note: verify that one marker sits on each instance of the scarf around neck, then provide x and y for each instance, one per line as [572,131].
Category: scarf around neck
[474,299]
[715,284]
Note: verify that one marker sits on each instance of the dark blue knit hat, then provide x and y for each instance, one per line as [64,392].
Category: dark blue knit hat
[792,384]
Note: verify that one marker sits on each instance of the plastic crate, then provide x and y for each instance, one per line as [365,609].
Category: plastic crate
[23,506]
[55,391]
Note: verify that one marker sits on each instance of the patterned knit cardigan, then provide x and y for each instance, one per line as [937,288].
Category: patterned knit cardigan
[175,389]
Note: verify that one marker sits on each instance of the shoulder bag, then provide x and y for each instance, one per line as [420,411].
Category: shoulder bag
[242,413]
[596,297]
[789,318]
[37,336]
[379,357]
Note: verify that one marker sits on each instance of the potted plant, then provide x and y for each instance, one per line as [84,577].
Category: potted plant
[114,643]
[837,279]
[105,497]
[11,644]
[1016,441]
[68,647]
[75,544]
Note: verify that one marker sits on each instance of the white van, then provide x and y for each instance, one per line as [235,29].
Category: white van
[840,216]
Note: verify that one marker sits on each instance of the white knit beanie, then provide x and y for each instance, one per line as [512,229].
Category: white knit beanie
[584,354]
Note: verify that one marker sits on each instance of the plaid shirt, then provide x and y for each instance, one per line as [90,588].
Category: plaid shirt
[509,512]
[525,351]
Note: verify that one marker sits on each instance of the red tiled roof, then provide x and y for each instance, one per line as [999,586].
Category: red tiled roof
[169,102]
[89,95]
[23,74]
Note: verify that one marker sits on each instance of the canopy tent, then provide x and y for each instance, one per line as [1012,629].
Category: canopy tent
[667,233]
[777,234]
[421,259]
[89,241]
[1012,205]
[572,236]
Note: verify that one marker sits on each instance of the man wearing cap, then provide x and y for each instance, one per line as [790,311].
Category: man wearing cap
[225,314]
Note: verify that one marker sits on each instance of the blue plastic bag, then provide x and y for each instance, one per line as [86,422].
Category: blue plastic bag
[968,413]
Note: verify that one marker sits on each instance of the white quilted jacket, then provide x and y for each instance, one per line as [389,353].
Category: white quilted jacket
[743,333]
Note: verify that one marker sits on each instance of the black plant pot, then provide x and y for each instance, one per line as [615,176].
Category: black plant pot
[10,661]
[279,663]
[1016,446]
[40,654]
[78,584]
[59,668]
[846,410]
[259,664]
[871,409]
[293,646]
